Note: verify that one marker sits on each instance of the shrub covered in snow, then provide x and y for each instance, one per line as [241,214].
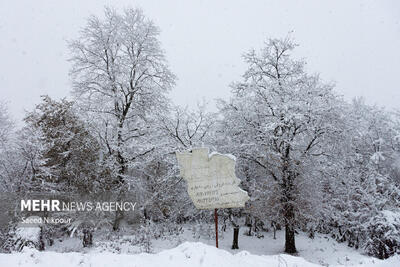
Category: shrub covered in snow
[384,235]
[27,236]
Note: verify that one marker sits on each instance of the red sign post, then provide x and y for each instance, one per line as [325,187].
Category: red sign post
[216,226]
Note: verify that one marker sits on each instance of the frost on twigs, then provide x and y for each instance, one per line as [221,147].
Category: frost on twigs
[211,179]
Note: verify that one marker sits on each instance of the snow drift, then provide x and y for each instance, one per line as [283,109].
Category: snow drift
[186,254]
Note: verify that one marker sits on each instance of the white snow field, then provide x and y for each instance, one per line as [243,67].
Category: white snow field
[187,254]
[200,251]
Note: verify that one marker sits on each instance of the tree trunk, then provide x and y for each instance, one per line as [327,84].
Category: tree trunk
[235,243]
[290,246]
[288,200]
[87,240]
[119,214]
[224,224]
[235,224]
[274,227]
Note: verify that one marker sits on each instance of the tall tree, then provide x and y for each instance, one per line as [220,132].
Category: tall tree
[69,153]
[120,79]
[279,118]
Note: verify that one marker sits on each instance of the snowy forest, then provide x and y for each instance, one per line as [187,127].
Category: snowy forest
[312,162]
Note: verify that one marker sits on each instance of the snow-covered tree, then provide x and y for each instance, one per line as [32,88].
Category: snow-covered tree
[69,153]
[6,127]
[120,80]
[364,181]
[279,119]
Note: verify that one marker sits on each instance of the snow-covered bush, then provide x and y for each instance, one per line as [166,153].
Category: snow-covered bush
[205,230]
[384,234]
[27,236]
[137,238]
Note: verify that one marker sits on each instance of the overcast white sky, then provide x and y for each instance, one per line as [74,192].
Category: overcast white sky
[354,43]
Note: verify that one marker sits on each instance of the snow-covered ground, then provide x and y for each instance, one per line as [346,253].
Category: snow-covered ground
[200,251]
[186,254]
